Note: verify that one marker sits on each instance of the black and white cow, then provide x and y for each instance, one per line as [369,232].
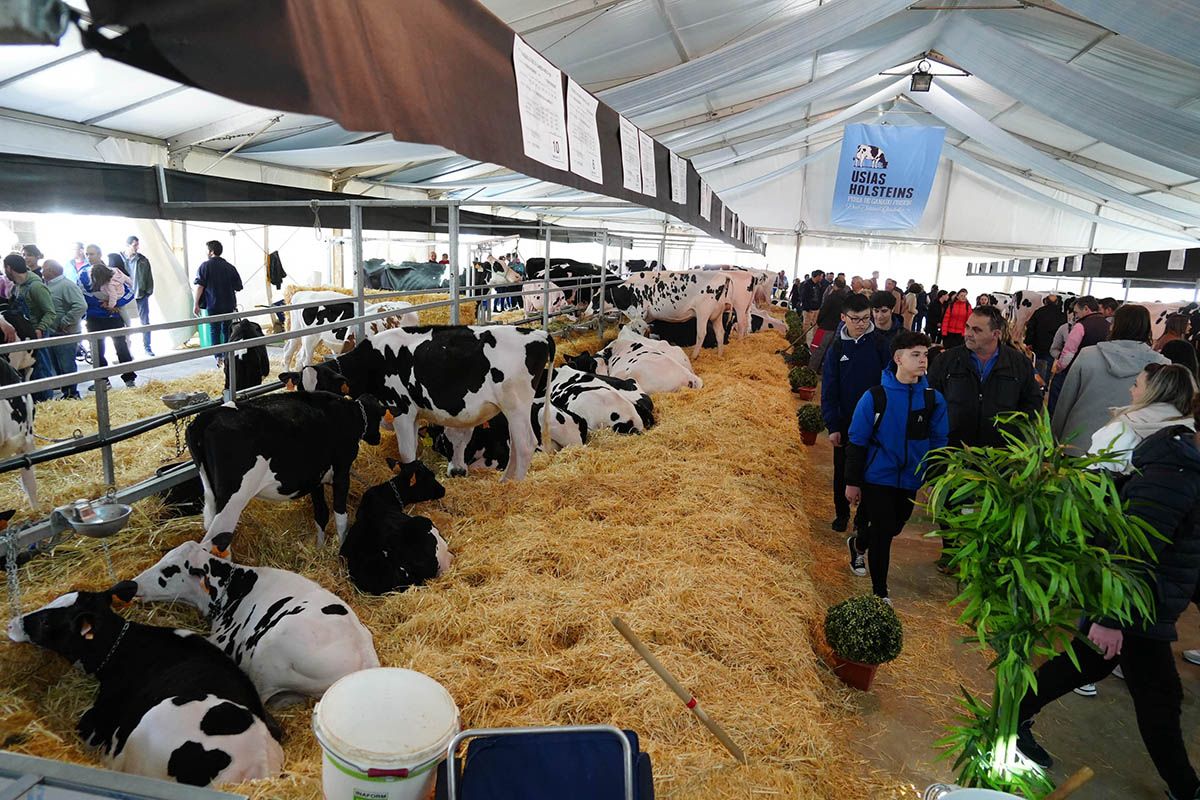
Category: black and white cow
[386,550]
[604,402]
[572,276]
[457,376]
[280,447]
[655,366]
[486,445]
[289,635]
[170,704]
[249,366]
[764,321]
[869,153]
[338,339]
[677,297]
[16,430]
[23,361]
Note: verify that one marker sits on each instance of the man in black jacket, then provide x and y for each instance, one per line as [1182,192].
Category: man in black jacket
[1164,490]
[1039,333]
[810,297]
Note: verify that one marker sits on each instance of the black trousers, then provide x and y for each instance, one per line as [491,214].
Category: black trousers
[840,503]
[95,324]
[885,510]
[951,340]
[1153,681]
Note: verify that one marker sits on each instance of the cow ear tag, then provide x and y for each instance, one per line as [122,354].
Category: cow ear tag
[218,552]
[118,604]
[85,630]
[413,480]
[291,385]
[345,388]
[387,416]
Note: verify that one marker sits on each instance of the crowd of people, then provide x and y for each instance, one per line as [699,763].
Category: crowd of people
[906,372]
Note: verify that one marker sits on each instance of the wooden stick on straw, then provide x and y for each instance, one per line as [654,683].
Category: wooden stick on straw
[687,697]
[1082,776]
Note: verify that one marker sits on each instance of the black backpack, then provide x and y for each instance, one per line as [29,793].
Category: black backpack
[879,401]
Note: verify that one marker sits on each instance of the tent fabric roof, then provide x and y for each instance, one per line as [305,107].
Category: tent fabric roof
[1092,106]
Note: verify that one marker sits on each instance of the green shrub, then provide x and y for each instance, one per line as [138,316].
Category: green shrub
[864,629]
[808,417]
[795,327]
[802,377]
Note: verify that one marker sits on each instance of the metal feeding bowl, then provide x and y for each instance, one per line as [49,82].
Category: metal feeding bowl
[103,519]
[178,400]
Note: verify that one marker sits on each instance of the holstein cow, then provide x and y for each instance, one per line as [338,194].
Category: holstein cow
[573,277]
[23,361]
[280,447]
[764,321]
[170,705]
[249,366]
[745,290]
[457,376]
[486,445]
[603,402]
[289,635]
[653,365]
[386,550]
[676,297]
[341,309]
[1160,311]
[16,430]
[1022,305]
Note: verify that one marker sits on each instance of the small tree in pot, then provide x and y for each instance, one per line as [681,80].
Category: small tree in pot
[796,352]
[808,417]
[863,633]
[803,381]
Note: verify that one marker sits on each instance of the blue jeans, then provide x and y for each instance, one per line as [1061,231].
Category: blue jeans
[1042,365]
[63,358]
[43,367]
[143,306]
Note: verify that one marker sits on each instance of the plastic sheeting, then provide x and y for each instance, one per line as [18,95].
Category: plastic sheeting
[1169,26]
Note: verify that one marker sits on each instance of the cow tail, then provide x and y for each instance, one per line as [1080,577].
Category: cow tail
[548,373]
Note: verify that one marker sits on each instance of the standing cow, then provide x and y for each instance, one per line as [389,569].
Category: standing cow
[170,705]
[676,297]
[338,339]
[280,447]
[486,445]
[287,633]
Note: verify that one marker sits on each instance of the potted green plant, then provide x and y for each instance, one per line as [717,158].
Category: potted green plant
[808,417]
[796,353]
[803,381]
[1022,525]
[863,633]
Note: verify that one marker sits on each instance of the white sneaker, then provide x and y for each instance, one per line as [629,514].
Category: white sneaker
[858,563]
[1087,690]
[888,600]
[1192,656]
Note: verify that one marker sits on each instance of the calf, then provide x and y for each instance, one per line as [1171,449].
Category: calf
[602,401]
[251,365]
[338,339]
[16,430]
[653,365]
[387,550]
[23,361]
[280,447]
[486,445]
[676,297]
[457,376]
[170,705]
[289,635]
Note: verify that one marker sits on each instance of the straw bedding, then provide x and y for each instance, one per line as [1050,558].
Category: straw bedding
[694,533]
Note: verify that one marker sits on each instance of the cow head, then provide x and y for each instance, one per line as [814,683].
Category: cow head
[621,297]
[584,362]
[191,573]
[79,626]
[372,411]
[321,378]
[638,325]
[415,482]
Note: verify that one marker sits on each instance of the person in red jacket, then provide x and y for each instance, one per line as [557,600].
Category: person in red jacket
[954,321]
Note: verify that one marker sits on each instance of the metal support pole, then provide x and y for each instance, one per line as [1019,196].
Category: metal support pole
[230,393]
[603,279]
[1196,292]
[102,422]
[356,254]
[452,213]
[796,258]
[662,248]
[546,327]
[1125,299]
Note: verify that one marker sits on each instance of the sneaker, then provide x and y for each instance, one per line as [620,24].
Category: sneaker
[92,386]
[149,354]
[840,524]
[887,600]
[858,563]
[1087,690]
[1028,746]
[1192,656]
[1117,671]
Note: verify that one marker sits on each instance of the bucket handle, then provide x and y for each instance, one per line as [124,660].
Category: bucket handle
[387,773]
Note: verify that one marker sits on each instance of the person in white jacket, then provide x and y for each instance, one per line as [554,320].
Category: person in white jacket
[1163,395]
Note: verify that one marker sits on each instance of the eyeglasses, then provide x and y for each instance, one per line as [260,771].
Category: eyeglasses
[850,318]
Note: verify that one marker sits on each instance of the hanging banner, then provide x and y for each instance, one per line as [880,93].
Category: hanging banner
[884,175]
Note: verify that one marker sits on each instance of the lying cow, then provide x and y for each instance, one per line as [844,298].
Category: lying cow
[341,309]
[170,705]
[653,365]
[486,445]
[677,297]
[387,550]
[289,635]
[764,321]
[457,376]
[251,365]
[16,430]
[605,403]
[280,447]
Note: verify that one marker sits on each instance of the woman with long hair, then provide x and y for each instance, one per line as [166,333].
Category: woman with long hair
[954,320]
[1162,396]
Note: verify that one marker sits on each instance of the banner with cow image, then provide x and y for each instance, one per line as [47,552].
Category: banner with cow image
[884,175]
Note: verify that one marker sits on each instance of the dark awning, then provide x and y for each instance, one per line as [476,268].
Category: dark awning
[434,72]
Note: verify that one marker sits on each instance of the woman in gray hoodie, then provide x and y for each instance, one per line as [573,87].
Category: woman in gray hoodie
[1101,375]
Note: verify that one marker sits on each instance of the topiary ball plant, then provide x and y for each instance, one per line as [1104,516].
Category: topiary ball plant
[795,327]
[802,377]
[864,629]
[808,417]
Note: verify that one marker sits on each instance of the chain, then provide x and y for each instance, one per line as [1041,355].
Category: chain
[10,567]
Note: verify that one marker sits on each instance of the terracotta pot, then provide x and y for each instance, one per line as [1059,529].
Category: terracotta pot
[853,673]
[806,392]
[808,437]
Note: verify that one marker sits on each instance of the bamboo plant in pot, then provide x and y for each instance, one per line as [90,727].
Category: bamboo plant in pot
[803,381]
[863,633]
[1022,527]
[808,417]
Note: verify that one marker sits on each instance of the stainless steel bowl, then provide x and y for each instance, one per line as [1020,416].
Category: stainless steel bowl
[178,400]
[108,519]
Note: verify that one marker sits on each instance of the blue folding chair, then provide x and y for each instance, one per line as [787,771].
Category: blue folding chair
[582,762]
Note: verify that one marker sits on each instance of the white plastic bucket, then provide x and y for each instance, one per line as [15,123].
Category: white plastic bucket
[383,732]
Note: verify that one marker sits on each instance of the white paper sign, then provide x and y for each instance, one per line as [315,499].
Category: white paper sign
[582,134]
[722,219]
[1131,261]
[649,178]
[678,179]
[540,103]
[631,160]
[1175,260]
[705,200]
[733,227]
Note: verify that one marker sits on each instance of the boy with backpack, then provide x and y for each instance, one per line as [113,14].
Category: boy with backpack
[894,426]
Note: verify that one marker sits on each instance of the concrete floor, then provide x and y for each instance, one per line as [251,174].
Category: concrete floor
[898,731]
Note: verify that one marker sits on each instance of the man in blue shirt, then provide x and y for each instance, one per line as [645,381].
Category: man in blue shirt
[217,284]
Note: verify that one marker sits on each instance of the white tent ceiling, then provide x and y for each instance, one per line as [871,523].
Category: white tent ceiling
[1077,127]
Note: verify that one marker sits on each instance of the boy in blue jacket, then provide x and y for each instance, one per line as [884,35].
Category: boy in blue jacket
[893,427]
